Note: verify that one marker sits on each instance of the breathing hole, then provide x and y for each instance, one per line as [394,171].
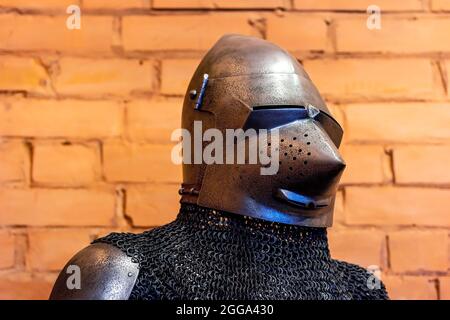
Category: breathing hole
[306,134]
[305,162]
[294,158]
[309,153]
[308,143]
[294,138]
[299,150]
[290,146]
[282,140]
[285,153]
[290,168]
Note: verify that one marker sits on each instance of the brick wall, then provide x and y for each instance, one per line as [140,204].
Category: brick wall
[86,117]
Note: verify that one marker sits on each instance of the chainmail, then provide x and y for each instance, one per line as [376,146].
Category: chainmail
[209,254]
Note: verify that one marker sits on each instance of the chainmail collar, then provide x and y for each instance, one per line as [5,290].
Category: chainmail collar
[211,254]
[253,229]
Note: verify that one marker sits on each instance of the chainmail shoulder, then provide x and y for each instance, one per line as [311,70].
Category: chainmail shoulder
[209,254]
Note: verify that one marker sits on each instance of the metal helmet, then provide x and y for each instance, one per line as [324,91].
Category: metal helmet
[251,84]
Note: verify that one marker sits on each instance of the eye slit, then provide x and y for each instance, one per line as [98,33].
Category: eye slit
[308,143]
[306,134]
[294,138]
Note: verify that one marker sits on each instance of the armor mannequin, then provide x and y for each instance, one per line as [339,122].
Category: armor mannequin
[240,234]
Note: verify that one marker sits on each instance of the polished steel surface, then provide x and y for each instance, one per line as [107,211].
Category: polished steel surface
[106,273]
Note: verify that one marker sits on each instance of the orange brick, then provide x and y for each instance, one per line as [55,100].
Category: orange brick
[152,205]
[338,214]
[60,118]
[447,68]
[444,285]
[134,163]
[337,114]
[180,32]
[23,286]
[362,247]
[65,164]
[52,5]
[360,5]
[375,78]
[99,233]
[410,288]
[414,250]
[298,32]
[176,74]
[153,120]
[365,164]
[105,76]
[218,4]
[115,4]
[440,5]
[34,32]
[23,74]
[403,122]
[7,258]
[51,249]
[422,164]
[14,161]
[397,206]
[57,207]
[396,35]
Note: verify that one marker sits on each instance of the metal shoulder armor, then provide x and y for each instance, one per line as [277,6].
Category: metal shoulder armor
[98,272]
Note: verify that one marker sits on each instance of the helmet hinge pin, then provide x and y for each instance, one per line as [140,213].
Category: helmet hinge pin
[198,105]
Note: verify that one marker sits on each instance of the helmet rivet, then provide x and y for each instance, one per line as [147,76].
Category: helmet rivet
[193,94]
